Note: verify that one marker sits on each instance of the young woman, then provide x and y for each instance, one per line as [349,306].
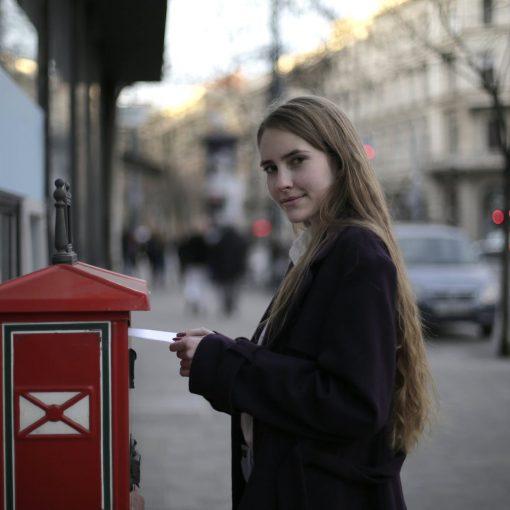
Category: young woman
[334,388]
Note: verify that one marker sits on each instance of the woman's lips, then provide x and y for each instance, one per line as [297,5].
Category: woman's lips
[291,200]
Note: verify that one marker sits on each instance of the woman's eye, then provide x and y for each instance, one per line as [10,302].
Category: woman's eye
[269,169]
[297,160]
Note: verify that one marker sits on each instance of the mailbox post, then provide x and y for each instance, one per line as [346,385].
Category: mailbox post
[65,383]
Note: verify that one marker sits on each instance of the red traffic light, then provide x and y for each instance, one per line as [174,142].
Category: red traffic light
[261,228]
[369,150]
[498,216]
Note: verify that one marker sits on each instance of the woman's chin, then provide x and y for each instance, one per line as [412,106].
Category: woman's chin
[295,218]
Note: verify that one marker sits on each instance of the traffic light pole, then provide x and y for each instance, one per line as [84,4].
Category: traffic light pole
[503,349]
[276,85]
[275,91]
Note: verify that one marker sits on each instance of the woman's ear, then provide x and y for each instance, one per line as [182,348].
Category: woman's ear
[335,161]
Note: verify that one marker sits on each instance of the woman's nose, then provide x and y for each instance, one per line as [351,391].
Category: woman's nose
[283,179]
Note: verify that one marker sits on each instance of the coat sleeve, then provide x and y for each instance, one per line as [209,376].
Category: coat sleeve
[345,394]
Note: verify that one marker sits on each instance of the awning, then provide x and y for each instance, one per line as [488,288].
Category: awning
[126,37]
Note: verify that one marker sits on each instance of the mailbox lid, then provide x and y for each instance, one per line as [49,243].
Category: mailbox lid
[76,287]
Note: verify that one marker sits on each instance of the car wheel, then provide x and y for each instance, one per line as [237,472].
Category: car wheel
[431,329]
[486,329]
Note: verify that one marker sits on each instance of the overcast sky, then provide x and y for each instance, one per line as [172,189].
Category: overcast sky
[209,38]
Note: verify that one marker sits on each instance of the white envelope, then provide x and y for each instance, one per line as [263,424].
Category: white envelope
[152,334]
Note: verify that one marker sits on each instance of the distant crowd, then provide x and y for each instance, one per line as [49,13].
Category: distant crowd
[207,263]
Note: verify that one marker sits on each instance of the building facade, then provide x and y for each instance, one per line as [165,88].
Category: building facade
[23,245]
[424,112]
[84,53]
[421,112]
[204,151]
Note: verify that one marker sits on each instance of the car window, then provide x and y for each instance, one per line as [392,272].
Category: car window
[429,250]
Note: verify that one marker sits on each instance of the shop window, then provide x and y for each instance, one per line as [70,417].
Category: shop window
[37,242]
[9,236]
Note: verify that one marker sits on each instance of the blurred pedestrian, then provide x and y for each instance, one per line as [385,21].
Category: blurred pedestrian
[155,250]
[192,252]
[172,263]
[227,250]
[279,258]
[334,388]
[259,265]
[130,249]
[142,234]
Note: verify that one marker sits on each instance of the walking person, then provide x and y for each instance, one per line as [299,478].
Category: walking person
[156,251]
[130,251]
[227,250]
[192,252]
[333,390]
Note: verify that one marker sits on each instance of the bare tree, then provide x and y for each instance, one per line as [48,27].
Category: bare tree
[454,49]
[452,46]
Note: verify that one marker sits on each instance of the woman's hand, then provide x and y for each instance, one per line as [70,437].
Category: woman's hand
[186,344]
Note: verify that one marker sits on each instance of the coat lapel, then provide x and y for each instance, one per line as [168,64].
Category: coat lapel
[295,304]
[260,327]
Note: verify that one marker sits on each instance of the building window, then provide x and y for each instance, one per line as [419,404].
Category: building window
[492,134]
[451,74]
[488,11]
[487,64]
[488,75]
[9,236]
[452,12]
[452,131]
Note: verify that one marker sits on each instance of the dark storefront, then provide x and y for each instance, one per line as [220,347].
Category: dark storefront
[88,50]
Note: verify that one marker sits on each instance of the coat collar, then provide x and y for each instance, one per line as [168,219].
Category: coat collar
[300,245]
[299,294]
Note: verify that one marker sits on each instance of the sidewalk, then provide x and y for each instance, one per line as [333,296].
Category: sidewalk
[184,444]
[465,464]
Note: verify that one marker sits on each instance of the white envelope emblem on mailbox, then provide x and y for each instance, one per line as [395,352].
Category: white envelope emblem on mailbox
[54,413]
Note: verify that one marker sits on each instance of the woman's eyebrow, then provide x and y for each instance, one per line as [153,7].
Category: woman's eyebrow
[285,156]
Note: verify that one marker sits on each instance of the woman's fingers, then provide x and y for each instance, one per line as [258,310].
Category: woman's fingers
[183,349]
[185,353]
[186,364]
[201,331]
[185,367]
[186,346]
[178,345]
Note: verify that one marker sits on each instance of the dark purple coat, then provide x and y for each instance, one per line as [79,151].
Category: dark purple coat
[320,392]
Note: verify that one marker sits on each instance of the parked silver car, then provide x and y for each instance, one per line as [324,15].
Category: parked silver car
[449,279]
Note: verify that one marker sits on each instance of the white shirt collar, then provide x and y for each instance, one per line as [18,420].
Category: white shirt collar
[299,245]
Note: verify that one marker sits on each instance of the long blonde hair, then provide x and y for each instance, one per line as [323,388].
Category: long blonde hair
[355,198]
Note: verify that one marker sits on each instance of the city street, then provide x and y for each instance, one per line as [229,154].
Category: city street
[180,142]
[184,444]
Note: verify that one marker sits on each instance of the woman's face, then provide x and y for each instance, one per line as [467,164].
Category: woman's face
[298,175]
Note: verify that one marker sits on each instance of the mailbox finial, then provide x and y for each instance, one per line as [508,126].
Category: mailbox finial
[64,253]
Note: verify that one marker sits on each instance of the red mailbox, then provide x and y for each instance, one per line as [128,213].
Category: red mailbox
[64,388]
